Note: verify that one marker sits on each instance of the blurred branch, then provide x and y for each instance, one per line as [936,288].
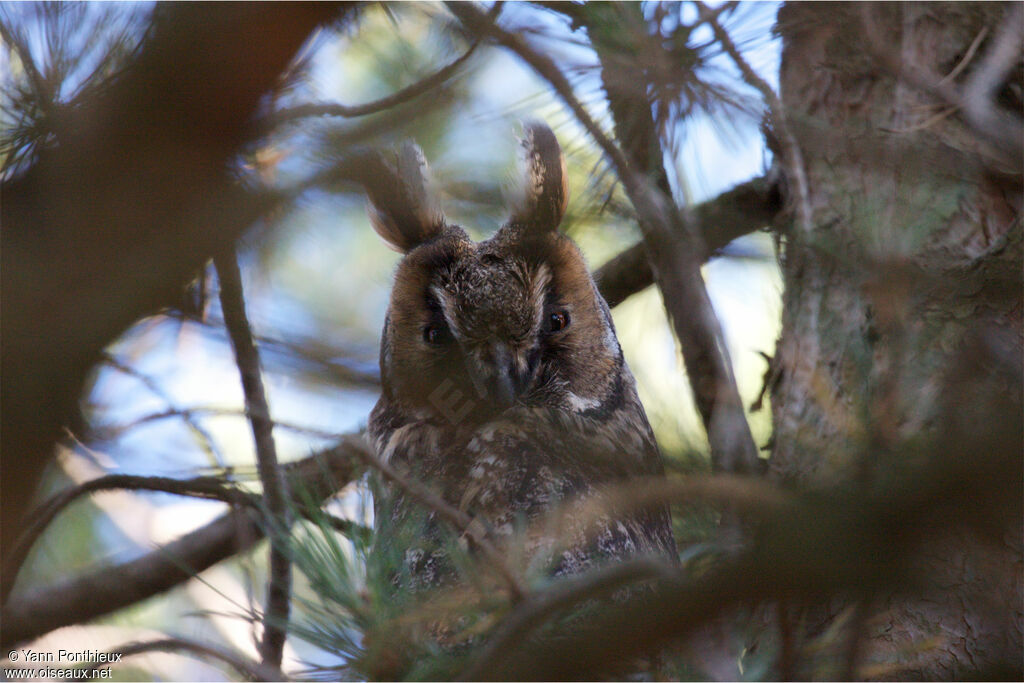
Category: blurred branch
[454,516]
[823,544]
[43,93]
[400,97]
[1000,129]
[791,154]
[985,81]
[744,209]
[108,224]
[541,607]
[254,671]
[278,603]
[81,598]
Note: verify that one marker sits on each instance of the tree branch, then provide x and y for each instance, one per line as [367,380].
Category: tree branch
[106,590]
[813,547]
[158,391]
[210,488]
[530,615]
[400,97]
[278,602]
[744,209]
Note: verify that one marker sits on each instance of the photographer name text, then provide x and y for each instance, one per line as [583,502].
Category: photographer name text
[65,656]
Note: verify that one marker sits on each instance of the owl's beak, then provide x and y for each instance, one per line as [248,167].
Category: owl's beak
[504,380]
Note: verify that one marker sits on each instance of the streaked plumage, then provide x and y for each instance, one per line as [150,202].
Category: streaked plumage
[504,386]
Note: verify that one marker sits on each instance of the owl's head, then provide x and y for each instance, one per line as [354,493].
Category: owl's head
[475,328]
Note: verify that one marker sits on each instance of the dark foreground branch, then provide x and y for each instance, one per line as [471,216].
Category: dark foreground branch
[811,548]
[452,515]
[106,590]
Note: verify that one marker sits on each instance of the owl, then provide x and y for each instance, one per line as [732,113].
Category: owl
[504,387]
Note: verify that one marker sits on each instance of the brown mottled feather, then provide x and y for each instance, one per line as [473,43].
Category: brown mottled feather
[504,386]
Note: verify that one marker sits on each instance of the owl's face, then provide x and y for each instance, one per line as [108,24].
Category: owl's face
[476,328]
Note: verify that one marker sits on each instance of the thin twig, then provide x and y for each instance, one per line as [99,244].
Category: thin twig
[155,388]
[968,56]
[278,603]
[400,97]
[452,515]
[791,155]
[252,670]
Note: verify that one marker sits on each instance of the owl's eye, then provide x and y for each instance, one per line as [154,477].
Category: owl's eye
[436,334]
[559,321]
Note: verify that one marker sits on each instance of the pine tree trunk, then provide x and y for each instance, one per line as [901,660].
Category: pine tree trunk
[911,265]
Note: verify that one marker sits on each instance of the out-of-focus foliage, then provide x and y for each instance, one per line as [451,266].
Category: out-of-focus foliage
[57,56]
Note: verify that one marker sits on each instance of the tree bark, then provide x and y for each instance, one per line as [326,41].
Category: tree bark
[909,272]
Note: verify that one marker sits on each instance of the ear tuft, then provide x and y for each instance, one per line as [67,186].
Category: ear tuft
[403,208]
[544,192]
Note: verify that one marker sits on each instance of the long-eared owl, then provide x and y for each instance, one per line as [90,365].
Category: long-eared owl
[504,386]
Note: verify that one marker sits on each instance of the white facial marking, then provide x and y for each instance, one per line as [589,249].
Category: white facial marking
[579,404]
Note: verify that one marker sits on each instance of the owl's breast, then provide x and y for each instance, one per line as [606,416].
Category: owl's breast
[529,468]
